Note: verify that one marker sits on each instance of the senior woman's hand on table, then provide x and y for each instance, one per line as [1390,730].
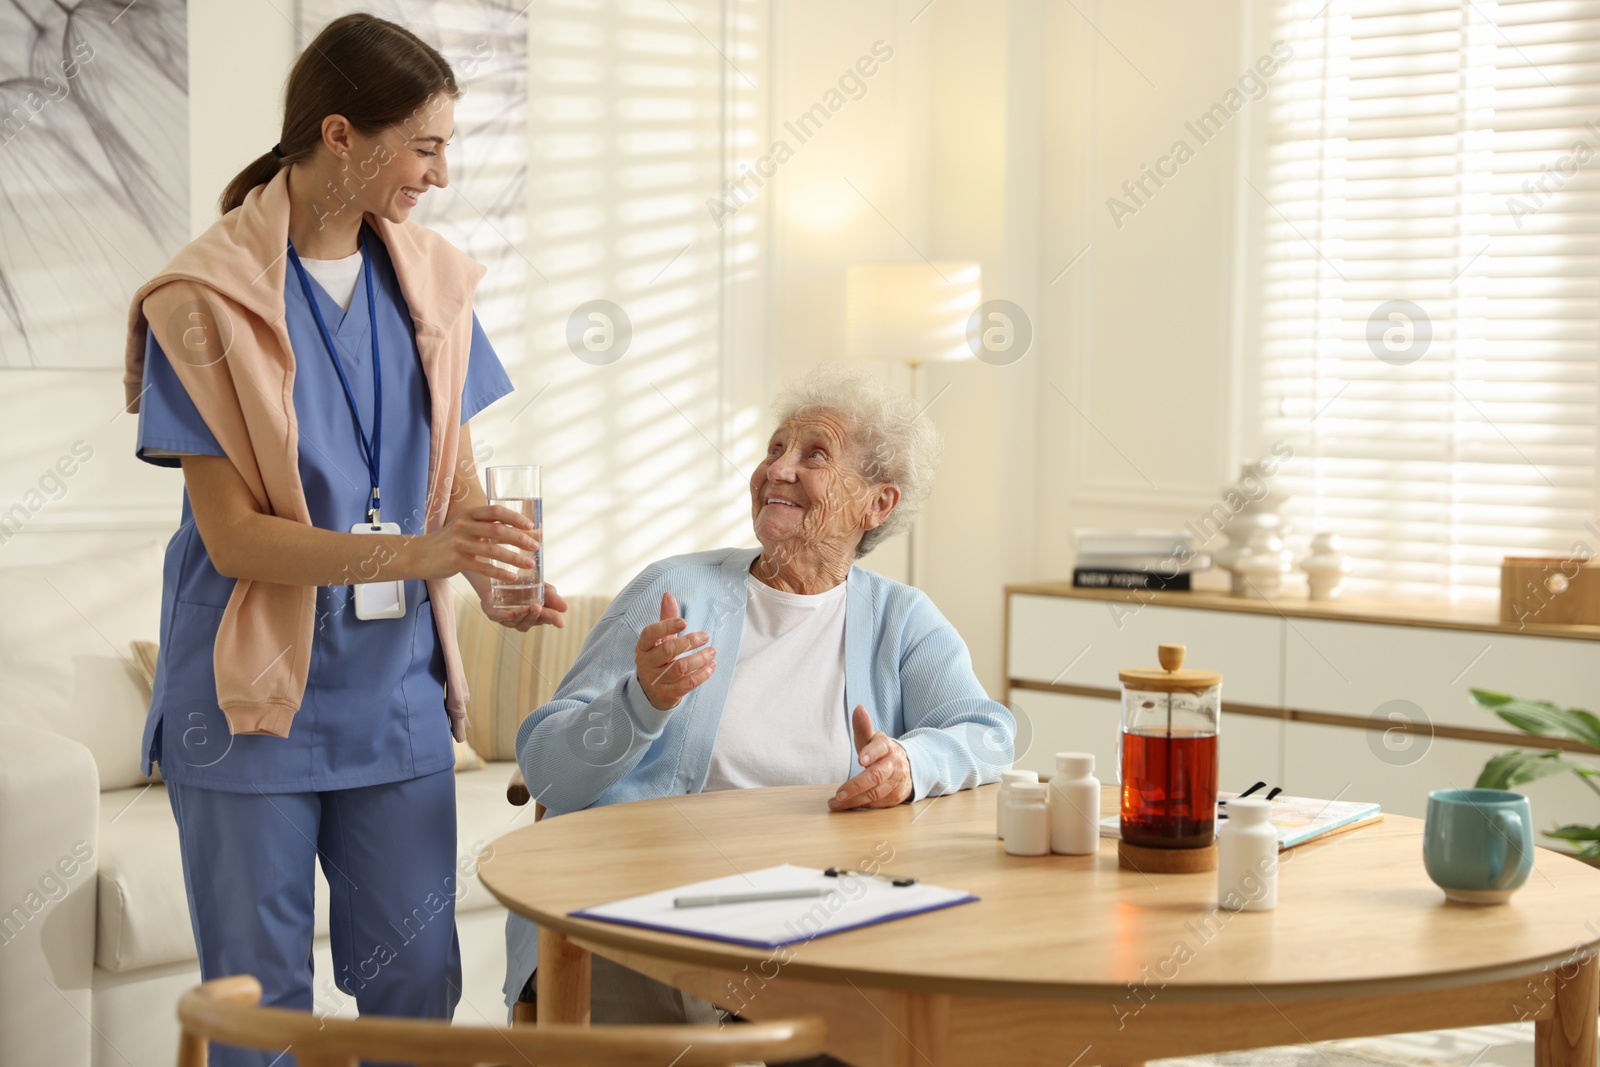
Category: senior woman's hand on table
[886,781]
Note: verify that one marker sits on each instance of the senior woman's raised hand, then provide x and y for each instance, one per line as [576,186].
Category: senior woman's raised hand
[664,672]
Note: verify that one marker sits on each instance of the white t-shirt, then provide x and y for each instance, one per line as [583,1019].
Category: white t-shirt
[337,276]
[785,722]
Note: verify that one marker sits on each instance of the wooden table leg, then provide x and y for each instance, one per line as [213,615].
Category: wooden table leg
[1568,1038]
[562,981]
[918,1030]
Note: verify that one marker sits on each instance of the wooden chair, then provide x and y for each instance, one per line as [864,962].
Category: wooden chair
[228,1010]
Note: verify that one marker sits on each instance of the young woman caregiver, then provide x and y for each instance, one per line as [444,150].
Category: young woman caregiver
[312,361]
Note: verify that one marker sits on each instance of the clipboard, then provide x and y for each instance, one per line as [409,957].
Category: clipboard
[851,901]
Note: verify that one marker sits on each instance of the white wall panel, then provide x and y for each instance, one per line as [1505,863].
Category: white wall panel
[1069,641]
[1336,761]
[1361,669]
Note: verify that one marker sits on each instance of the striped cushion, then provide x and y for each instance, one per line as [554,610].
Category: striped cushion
[509,674]
[144,664]
[144,658]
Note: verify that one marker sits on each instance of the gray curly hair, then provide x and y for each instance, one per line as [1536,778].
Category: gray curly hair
[898,445]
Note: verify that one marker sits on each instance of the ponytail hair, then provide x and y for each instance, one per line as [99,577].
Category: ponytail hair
[398,74]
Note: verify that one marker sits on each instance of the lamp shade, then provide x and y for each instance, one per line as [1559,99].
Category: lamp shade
[910,312]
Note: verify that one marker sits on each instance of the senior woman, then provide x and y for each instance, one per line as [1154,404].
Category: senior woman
[784,665]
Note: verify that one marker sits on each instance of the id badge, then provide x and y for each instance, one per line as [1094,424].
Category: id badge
[379,600]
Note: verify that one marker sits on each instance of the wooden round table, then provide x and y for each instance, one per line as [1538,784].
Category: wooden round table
[1065,959]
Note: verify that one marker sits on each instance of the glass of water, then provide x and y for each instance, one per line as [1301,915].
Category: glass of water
[517,488]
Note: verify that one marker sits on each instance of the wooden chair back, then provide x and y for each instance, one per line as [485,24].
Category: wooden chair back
[228,1010]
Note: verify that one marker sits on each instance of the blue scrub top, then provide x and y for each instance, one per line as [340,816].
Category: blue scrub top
[373,710]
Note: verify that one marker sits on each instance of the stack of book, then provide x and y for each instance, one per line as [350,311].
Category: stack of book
[1136,559]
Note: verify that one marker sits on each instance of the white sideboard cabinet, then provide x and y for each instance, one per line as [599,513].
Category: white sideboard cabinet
[1361,700]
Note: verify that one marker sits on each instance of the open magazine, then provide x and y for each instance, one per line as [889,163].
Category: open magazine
[1297,819]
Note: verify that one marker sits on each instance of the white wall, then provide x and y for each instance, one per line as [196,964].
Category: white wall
[1139,334]
[996,135]
[818,223]
[939,160]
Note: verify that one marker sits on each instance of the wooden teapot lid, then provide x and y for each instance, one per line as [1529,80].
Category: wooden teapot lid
[1171,677]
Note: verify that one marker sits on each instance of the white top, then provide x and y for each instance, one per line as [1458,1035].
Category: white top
[785,722]
[337,276]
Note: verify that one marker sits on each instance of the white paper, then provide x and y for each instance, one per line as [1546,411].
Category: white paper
[851,901]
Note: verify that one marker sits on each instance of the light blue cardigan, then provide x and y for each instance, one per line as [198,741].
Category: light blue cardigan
[601,741]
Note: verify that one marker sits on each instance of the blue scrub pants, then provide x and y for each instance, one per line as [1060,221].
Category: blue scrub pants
[388,852]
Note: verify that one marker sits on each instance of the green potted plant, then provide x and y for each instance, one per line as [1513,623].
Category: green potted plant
[1511,769]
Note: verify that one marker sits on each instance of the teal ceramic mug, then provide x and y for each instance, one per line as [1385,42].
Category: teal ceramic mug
[1477,844]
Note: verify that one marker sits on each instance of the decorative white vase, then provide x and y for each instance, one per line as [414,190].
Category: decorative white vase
[1258,570]
[1326,566]
[1240,531]
[1255,515]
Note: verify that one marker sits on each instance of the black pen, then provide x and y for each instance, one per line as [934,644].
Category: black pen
[1222,804]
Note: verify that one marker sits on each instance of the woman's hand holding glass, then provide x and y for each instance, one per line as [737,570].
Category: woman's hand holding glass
[471,541]
[490,532]
[664,673]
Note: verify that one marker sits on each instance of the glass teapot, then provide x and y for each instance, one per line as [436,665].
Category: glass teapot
[1170,719]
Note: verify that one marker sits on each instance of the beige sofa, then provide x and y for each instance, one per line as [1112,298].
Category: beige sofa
[95,941]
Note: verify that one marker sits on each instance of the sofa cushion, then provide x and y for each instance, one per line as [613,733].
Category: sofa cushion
[144,912]
[64,660]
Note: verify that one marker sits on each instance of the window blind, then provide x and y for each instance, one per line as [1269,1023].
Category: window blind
[1428,197]
[641,113]
[591,138]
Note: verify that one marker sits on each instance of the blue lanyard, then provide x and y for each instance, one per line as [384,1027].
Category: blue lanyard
[369,452]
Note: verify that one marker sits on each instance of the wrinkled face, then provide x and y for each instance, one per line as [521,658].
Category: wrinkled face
[391,170]
[808,495]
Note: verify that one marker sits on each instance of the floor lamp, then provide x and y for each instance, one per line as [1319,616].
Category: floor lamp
[910,313]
